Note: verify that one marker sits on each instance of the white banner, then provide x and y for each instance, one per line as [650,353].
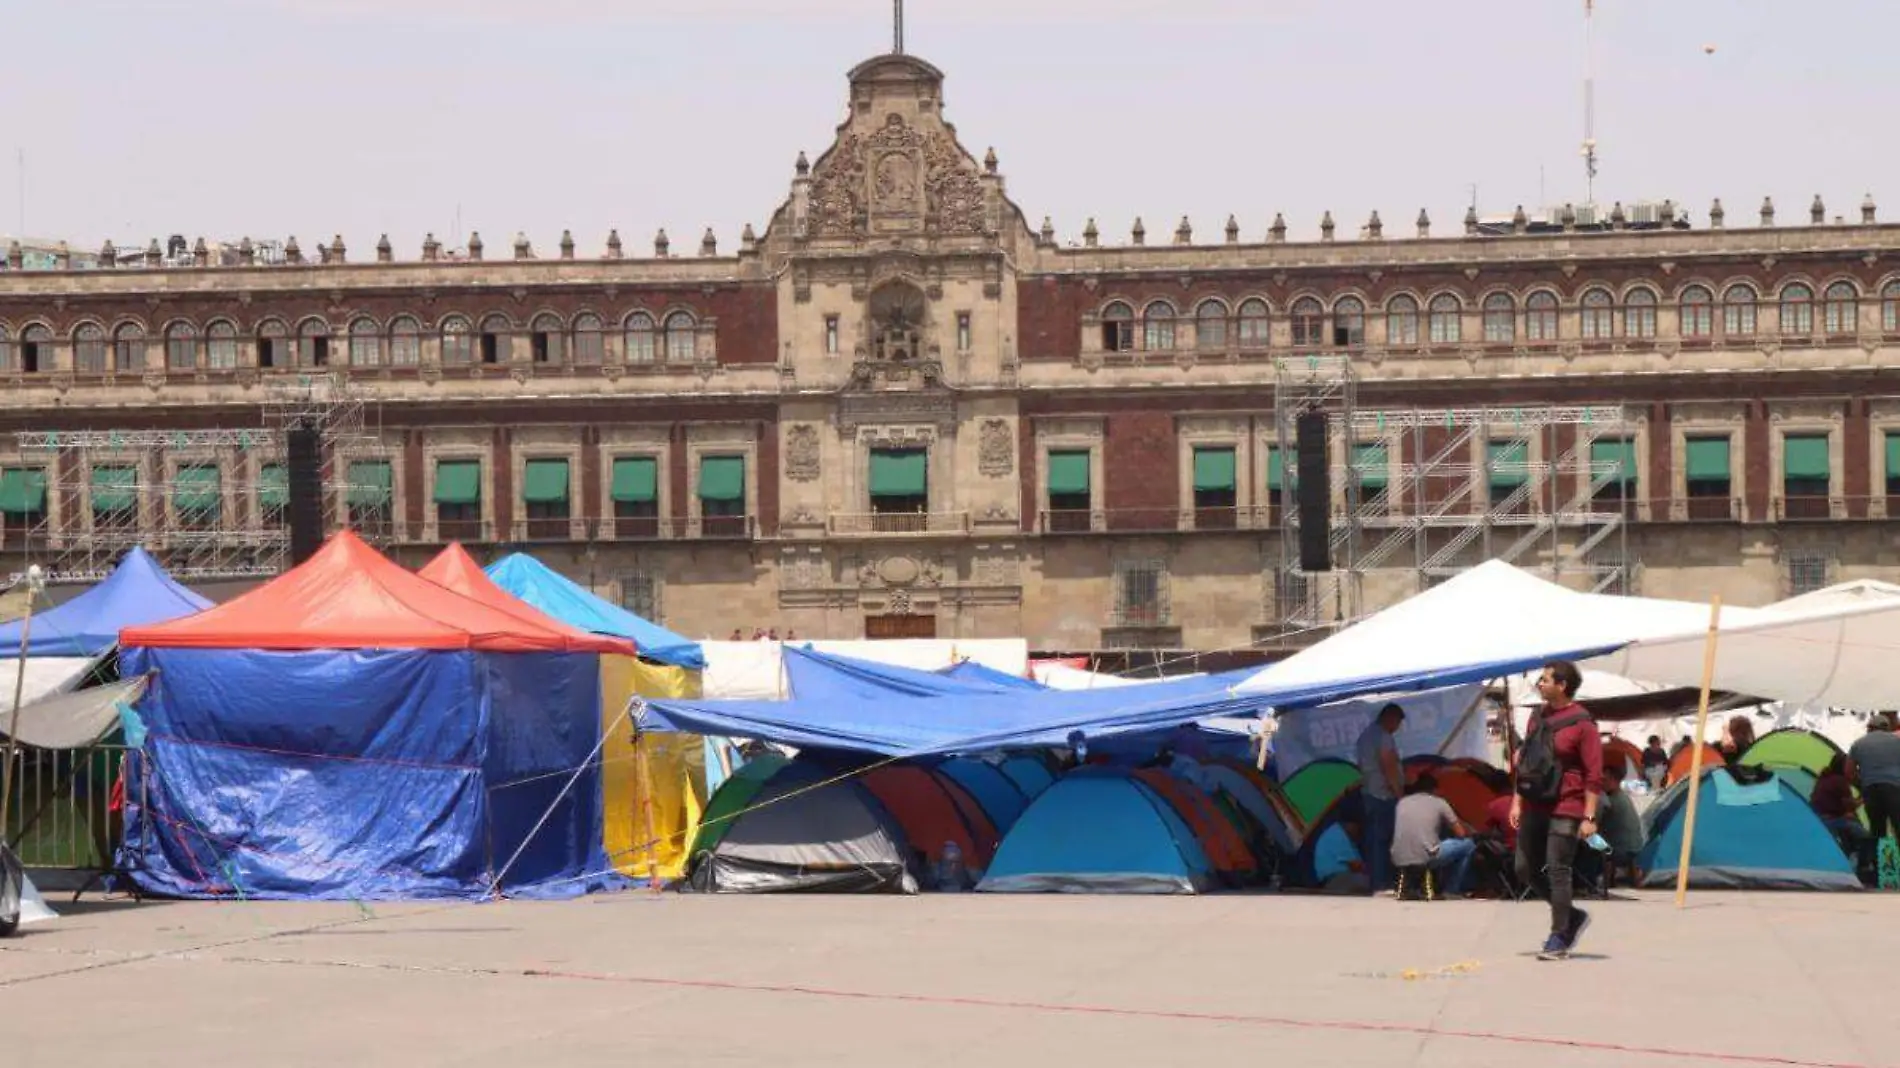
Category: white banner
[1430,718]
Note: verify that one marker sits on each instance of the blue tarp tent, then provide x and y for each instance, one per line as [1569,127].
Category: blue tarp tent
[1748,836]
[1002,800]
[137,592]
[1030,774]
[566,600]
[815,677]
[1099,832]
[972,672]
[352,731]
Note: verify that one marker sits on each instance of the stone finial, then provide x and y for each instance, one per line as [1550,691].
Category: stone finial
[63,257]
[803,166]
[1471,221]
[748,239]
[247,252]
[662,245]
[989,161]
[1326,226]
[1668,213]
[1375,229]
[1277,232]
[614,249]
[567,244]
[1716,214]
[1140,232]
[1569,217]
[709,243]
[109,256]
[16,256]
[1424,223]
[1817,211]
[1867,210]
[431,249]
[1618,220]
[200,253]
[1233,230]
[1048,233]
[1520,222]
[1184,233]
[292,252]
[154,256]
[523,250]
[475,245]
[1768,211]
[1090,235]
[336,248]
[385,252]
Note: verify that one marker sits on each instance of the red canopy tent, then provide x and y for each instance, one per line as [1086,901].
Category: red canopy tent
[455,570]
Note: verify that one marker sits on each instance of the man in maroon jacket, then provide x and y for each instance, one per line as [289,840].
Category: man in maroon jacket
[1548,832]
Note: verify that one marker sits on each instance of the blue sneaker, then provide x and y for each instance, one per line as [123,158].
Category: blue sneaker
[1556,947]
[1579,923]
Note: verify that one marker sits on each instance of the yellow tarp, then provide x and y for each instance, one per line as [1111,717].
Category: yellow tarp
[665,813]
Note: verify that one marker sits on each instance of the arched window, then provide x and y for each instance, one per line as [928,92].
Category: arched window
[458,342]
[589,340]
[1210,325]
[496,337]
[1401,321]
[548,339]
[128,349]
[6,349]
[1890,308]
[1540,316]
[1309,322]
[221,346]
[36,349]
[1841,309]
[640,338]
[366,343]
[1118,328]
[1255,324]
[681,337]
[1597,313]
[1698,312]
[1797,310]
[1639,314]
[1157,327]
[1446,315]
[405,342]
[1349,322]
[313,343]
[1738,311]
[181,347]
[89,349]
[273,344]
[1500,319]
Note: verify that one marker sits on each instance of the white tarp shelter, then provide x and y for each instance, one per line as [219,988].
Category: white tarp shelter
[753,671]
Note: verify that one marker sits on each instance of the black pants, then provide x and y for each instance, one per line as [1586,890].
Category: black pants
[1546,858]
[1883,818]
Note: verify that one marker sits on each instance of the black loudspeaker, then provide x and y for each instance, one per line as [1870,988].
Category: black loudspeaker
[303,475]
[1315,494]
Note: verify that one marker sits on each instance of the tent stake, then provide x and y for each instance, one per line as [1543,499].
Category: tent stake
[1695,757]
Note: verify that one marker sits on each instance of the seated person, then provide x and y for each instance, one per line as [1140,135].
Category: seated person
[1619,824]
[1427,834]
[1497,821]
[1835,803]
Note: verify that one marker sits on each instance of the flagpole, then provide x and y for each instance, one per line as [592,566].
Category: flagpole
[1695,758]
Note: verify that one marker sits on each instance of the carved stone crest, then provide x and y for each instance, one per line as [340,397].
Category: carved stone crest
[802,463]
[995,449]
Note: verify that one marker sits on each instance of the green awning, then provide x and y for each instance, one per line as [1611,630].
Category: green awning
[458,482]
[23,490]
[1068,472]
[899,473]
[195,488]
[1804,456]
[115,489]
[1620,453]
[1508,460]
[544,482]
[1370,463]
[371,484]
[1708,460]
[1893,455]
[722,478]
[1214,469]
[636,480]
[273,487]
[1276,469]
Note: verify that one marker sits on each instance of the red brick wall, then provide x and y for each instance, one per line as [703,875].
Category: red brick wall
[1049,318]
[767,474]
[1856,443]
[1140,462]
[1759,473]
[501,457]
[748,323]
[1662,465]
[590,472]
[415,480]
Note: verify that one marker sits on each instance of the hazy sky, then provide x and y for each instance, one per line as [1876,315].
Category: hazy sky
[142,118]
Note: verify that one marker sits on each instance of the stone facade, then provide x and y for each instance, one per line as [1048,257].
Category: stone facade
[899,309]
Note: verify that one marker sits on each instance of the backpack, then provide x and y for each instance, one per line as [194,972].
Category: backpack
[1540,777]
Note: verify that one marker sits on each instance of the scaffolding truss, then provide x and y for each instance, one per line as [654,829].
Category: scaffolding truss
[210,503]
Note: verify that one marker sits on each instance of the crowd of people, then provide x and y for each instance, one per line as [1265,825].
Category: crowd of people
[762,634]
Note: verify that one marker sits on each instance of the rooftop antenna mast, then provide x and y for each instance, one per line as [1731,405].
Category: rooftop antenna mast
[1589,102]
[897,27]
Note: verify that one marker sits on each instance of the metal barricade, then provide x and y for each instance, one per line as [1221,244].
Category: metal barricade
[61,815]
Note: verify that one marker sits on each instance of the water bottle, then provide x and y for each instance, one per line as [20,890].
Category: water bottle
[950,872]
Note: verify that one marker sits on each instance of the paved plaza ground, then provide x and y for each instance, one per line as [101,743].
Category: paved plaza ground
[1765,979]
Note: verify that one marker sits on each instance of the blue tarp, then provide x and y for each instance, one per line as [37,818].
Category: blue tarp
[813,676]
[137,593]
[973,672]
[564,599]
[363,774]
[897,726]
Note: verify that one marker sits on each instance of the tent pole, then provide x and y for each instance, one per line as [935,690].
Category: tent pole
[35,582]
[1470,709]
[1695,756]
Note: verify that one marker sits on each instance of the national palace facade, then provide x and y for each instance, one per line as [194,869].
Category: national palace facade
[901,408]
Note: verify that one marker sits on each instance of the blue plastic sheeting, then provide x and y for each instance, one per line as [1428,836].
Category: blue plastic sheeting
[972,672]
[813,676]
[1030,775]
[363,774]
[137,593]
[1781,845]
[559,596]
[1096,832]
[1002,800]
